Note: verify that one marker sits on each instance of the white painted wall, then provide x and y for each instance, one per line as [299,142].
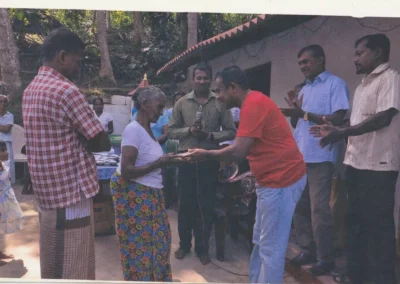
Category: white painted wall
[336,35]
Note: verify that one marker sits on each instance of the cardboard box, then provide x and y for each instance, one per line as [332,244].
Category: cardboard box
[104,216]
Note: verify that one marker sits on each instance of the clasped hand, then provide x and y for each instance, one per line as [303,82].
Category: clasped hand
[197,132]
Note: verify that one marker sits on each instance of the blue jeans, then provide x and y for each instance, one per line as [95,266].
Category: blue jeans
[275,208]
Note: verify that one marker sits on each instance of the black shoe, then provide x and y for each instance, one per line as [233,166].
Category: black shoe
[302,259]
[321,268]
[181,253]
[204,258]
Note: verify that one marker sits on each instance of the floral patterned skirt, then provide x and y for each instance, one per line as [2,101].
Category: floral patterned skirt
[143,230]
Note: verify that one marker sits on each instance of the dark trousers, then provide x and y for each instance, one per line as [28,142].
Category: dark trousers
[371,229]
[313,218]
[169,182]
[197,196]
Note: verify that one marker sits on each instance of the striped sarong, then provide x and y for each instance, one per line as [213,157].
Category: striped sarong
[67,242]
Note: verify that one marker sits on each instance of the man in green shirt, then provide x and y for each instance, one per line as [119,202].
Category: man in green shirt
[196,122]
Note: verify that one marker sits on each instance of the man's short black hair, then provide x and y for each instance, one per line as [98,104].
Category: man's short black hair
[233,74]
[98,99]
[179,93]
[58,40]
[203,67]
[376,41]
[315,50]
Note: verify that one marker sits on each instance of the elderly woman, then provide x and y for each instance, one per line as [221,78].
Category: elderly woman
[142,222]
[105,118]
[6,123]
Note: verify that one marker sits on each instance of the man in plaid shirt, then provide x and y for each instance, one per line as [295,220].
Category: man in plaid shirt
[61,132]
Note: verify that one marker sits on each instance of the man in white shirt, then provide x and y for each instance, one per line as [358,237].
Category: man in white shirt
[373,162]
[105,118]
[236,117]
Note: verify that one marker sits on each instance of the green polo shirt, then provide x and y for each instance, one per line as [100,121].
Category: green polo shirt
[215,116]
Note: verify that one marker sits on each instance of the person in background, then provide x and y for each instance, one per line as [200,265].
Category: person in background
[171,172]
[134,110]
[6,124]
[178,95]
[198,182]
[142,222]
[373,163]
[323,94]
[61,133]
[169,105]
[11,215]
[105,118]
[236,117]
[265,138]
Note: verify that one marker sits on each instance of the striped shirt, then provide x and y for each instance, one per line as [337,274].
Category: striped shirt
[377,150]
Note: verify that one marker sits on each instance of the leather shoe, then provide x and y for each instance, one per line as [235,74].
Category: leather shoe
[204,258]
[321,268]
[181,253]
[302,259]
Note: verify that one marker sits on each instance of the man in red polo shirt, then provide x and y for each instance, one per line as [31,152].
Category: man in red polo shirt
[264,137]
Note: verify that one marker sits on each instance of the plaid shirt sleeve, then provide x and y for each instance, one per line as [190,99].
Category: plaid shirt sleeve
[80,114]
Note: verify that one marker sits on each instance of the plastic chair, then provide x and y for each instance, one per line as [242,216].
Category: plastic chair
[18,138]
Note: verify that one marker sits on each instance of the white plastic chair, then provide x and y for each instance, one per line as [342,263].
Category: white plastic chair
[18,141]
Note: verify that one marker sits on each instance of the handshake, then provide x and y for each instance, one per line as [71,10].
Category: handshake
[191,156]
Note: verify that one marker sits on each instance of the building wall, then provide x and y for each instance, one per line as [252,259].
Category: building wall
[335,34]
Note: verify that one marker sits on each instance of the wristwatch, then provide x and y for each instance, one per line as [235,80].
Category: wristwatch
[305,116]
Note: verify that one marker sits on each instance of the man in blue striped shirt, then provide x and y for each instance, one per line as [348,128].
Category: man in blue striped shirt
[323,94]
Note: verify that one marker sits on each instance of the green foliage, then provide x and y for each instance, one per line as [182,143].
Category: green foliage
[122,20]
[130,62]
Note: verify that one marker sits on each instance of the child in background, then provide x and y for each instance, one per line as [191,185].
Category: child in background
[10,212]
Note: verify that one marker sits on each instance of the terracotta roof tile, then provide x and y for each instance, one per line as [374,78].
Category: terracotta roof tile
[215,39]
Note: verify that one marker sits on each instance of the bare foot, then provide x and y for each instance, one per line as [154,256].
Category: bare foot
[4,256]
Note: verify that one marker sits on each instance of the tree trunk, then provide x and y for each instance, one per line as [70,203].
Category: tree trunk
[9,58]
[183,28]
[192,29]
[108,20]
[94,24]
[106,70]
[138,29]
[220,22]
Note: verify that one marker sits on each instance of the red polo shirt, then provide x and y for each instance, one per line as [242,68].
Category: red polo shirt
[275,160]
